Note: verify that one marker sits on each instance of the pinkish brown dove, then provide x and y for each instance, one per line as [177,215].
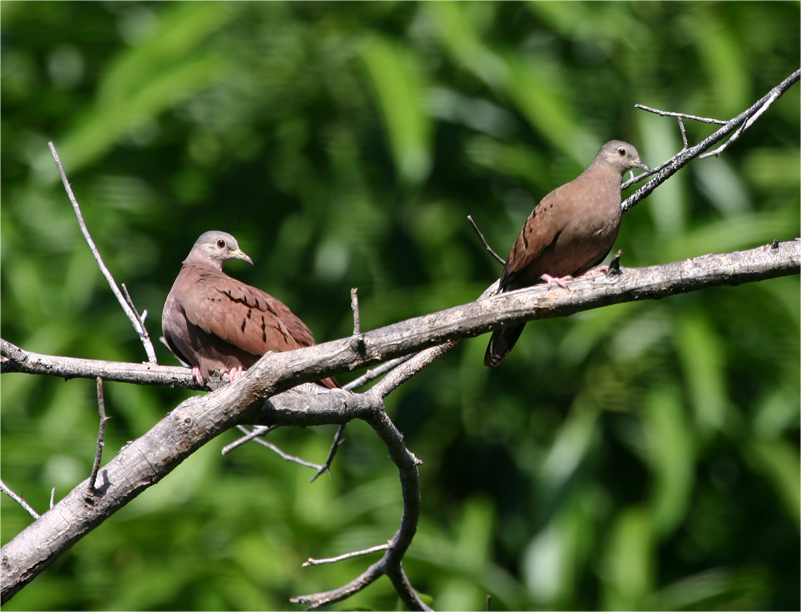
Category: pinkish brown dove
[571,230]
[213,322]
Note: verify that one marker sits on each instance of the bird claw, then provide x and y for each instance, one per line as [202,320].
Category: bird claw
[197,375]
[235,374]
[595,271]
[558,281]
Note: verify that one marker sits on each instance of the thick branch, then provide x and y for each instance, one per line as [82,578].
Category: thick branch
[467,320]
[198,420]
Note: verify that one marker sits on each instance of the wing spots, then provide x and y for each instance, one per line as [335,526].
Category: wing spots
[249,313]
[263,330]
[244,323]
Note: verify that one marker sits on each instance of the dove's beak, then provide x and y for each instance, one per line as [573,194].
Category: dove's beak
[240,254]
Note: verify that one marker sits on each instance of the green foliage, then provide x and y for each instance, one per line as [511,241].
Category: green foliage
[639,456]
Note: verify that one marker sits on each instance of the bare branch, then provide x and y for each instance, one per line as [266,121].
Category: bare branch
[742,121]
[484,241]
[101,408]
[376,372]
[14,359]
[338,440]
[5,489]
[404,372]
[373,573]
[679,115]
[683,134]
[260,430]
[354,305]
[136,320]
[257,431]
[390,563]
[198,420]
[468,320]
[256,398]
[130,303]
[774,95]
[350,555]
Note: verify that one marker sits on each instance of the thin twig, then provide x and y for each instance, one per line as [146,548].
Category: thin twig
[338,440]
[19,500]
[739,123]
[260,430]
[128,299]
[773,97]
[350,555]
[101,434]
[683,134]
[354,305]
[680,115]
[486,244]
[287,456]
[390,563]
[52,497]
[376,372]
[138,324]
[419,361]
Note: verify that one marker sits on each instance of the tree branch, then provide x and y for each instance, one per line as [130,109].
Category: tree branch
[257,398]
[742,121]
[467,320]
[18,498]
[101,434]
[136,319]
[198,420]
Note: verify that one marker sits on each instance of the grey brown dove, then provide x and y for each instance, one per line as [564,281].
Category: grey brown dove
[571,230]
[214,322]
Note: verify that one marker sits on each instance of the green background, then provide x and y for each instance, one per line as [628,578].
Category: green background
[642,456]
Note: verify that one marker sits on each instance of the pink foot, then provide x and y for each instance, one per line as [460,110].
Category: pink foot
[594,272]
[198,377]
[235,374]
[559,281]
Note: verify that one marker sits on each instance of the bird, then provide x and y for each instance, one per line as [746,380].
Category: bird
[571,230]
[214,322]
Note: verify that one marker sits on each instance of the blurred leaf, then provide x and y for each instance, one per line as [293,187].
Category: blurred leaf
[671,455]
[721,57]
[703,365]
[780,463]
[716,589]
[399,84]
[741,232]
[628,570]
[772,168]
[555,557]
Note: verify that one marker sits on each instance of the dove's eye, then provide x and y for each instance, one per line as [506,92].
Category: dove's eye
[221,243]
[621,151]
